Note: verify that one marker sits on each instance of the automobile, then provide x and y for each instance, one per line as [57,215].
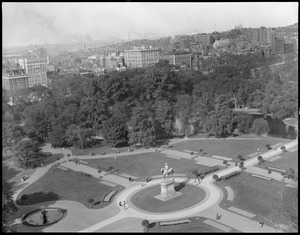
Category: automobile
[25,177]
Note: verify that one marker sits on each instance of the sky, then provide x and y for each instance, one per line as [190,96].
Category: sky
[55,22]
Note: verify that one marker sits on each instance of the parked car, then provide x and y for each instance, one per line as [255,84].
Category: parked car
[25,177]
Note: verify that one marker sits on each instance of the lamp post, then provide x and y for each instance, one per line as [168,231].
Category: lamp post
[257,152]
[116,164]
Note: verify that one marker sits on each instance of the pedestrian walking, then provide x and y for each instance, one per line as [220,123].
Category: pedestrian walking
[262,224]
[236,164]
[129,179]
[120,204]
[147,179]
[217,216]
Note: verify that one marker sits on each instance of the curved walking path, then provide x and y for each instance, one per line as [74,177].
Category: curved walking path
[206,208]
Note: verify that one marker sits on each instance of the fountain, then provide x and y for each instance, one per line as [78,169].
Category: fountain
[167,185]
[44,217]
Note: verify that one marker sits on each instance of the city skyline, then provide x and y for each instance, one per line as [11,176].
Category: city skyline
[37,23]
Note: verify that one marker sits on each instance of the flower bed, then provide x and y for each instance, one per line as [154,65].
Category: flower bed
[174,222]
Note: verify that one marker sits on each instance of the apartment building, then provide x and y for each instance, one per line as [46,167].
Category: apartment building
[13,80]
[36,69]
[141,58]
[179,59]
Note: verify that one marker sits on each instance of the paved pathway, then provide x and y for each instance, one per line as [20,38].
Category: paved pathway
[207,207]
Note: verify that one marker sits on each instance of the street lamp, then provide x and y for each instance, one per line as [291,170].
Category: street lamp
[257,152]
[116,164]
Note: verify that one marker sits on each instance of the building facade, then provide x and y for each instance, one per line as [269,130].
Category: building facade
[36,69]
[179,59]
[204,39]
[15,80]
[141,58]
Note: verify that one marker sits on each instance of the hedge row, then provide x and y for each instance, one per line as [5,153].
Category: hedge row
[210,170]
[231,175]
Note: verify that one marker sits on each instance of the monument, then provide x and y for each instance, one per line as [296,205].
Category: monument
[167,185]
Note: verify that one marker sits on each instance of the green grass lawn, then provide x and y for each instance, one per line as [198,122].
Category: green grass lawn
[146,164]
[287,160]
[8,172]
[197,225]
[57,184]
[190,196]
[253,194]
[228,147]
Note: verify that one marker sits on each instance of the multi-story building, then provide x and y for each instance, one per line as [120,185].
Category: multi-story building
[179,59]
[14,80]
[221,43]
[255,35]
[141,58]
[36,69]
[204,39]
[263,35]
[277,45]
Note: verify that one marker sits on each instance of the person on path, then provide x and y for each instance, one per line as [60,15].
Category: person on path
[217,216]
[262,224]
[120,204]
[129,179]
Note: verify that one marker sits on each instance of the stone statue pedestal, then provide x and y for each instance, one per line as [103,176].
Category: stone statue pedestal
[167,190]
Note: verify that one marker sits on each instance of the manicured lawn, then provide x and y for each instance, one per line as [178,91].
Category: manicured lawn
[146,164]
[197,225]
[228,147]
[52,158]
[57,184]
[190,196]
[287,160]
[8,172]
[253,195]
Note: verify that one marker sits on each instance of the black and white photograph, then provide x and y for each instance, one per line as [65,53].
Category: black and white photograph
[150,117]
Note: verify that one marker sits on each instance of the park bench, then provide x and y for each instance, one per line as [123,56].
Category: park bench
[108,196]
[261,177]
[276,169]
[174,222]
[63,168]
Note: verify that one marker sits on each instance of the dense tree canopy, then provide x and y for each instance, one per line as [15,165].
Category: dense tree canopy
[149,101]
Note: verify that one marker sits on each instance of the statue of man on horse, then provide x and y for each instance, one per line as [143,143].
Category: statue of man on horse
[166,171]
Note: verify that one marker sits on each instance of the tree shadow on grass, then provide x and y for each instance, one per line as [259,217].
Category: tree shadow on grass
[37,197]
[151,225]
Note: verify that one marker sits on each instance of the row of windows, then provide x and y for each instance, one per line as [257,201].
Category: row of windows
[36,61]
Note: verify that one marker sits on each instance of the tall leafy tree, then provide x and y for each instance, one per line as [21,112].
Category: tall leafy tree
[11,133]
[183,109]
[142,126]
[115,130]
[8,206]
[28,154]
[260,126]
[79,136]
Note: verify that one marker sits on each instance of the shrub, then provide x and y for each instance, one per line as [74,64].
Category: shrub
[283,148]
[231,175]
[88,175]
[99,171]
[215,177]
[268,146]
[292,170]
[195,172]
[240,157]
[110,168]
[24,197]
[91,200]
[192,153]
[225,162]
[260,158]
[145,223]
